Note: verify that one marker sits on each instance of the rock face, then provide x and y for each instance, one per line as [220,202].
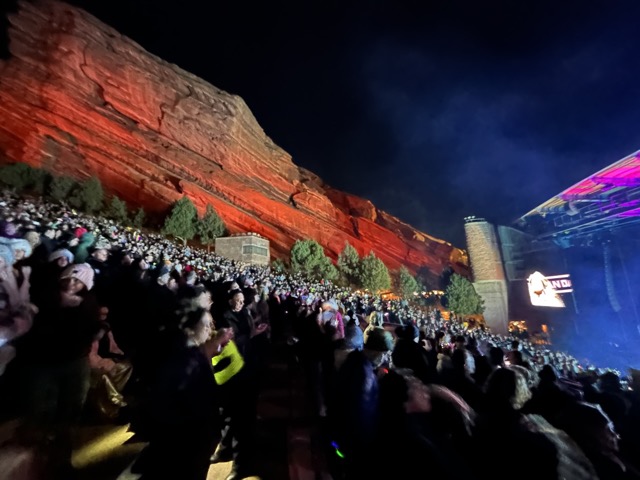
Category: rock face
[78,98]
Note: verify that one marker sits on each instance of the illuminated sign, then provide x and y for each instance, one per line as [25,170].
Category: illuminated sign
[561,283]
[545,291]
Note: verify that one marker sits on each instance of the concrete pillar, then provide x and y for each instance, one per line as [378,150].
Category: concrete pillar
[488,272]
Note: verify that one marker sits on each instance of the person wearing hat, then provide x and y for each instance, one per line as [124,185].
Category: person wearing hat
[21,248]
[56,357]
[46,276]
[15,276]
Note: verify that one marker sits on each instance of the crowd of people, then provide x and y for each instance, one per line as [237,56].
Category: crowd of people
[102,319]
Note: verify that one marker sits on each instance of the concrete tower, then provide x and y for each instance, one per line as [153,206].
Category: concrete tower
[488,272]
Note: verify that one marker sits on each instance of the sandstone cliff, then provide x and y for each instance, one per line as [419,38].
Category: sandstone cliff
[76,97]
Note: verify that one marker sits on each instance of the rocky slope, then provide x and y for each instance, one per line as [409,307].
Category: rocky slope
[76,97]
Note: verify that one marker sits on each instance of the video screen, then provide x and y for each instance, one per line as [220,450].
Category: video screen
[546,291]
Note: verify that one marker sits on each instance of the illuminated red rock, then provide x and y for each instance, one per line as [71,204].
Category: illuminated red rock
[76,97]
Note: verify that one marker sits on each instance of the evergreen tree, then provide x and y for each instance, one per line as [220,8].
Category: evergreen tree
[349,264]
[60,188]
[374,274]
[117,210]
[462,297]
[181,222]
[88,195]
[210,227]
[139,218]
[93,195]
[17,176]
[308,258]
[407,284]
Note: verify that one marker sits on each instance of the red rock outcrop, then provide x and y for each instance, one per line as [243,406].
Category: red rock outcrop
[78,98]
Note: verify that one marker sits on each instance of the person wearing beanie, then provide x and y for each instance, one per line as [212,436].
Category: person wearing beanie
[56,356]
[21,248]
[62,257]
[15,276]
[45,277]
[81,272]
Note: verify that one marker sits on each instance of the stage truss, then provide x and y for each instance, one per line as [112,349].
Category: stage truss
[601,204]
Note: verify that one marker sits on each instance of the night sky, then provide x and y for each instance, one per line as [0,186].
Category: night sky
[433,110]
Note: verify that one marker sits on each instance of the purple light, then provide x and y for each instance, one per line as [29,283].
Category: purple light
[630,213]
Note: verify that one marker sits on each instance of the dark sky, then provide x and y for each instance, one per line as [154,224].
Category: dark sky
[433,110]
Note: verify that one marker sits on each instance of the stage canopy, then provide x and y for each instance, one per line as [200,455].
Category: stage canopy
[602,203]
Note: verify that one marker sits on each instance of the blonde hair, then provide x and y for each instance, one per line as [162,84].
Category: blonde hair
[522,393]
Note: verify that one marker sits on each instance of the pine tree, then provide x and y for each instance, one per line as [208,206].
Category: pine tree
[88,195]
[60,188]
[117,210]
[139,218]
[349,264]
[181,222]
[407,284]
[210,227]
[93,195]
[462,297]
[374,274]
[17,175]
[308,258]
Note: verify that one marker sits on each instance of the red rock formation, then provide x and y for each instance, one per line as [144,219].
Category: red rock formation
[76,97]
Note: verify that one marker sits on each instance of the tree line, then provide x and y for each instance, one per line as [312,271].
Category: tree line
[368,272]
[183,223]
[371,274]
